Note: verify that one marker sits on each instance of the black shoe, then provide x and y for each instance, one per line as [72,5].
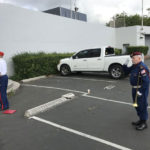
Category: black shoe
[141,127]
[136,123]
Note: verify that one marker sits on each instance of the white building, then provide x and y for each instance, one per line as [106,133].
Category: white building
[25,30]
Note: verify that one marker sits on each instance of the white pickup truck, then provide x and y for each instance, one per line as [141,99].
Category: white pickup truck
[95,60]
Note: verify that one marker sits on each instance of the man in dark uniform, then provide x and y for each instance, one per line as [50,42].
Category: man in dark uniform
[3,83]
[139,80]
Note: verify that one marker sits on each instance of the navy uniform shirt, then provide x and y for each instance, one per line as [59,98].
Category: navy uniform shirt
[140,70]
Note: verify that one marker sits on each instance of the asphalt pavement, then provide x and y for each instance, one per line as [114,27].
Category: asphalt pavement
[98,120]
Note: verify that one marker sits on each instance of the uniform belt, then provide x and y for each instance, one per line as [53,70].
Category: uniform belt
[136,86]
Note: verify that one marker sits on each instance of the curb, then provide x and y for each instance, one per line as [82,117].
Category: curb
[33,79]
[12,86]
[47,106]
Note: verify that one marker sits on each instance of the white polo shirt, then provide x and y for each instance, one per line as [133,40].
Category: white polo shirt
[3,67]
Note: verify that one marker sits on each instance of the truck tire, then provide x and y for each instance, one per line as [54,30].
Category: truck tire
[116,71]
[65,70]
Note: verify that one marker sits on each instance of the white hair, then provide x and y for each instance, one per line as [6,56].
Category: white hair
[141,57]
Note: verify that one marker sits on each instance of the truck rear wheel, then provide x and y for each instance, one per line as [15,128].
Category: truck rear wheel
[65,70]
[116,71]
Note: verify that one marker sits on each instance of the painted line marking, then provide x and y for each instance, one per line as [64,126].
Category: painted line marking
[109,87]
[56,88]
[108,100]
[81,133]
[81,92]
[87,79]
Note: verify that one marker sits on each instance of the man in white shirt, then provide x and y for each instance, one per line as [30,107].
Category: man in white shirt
[3,83]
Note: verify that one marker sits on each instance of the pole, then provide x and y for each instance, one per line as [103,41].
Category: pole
[114,21]
[142,16]
[75,9]
[70,8]
[124,19]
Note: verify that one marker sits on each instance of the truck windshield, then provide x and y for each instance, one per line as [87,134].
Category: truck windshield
[109,51]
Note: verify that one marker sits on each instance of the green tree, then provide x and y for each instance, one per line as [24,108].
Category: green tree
[120,20]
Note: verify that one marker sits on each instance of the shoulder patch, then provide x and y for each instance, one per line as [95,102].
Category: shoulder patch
[141,67]
[143,71]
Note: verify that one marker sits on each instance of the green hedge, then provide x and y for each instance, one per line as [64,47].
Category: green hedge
[28,65]
[118,51]
[142,49]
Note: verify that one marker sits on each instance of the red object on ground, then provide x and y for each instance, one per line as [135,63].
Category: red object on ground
[9,111]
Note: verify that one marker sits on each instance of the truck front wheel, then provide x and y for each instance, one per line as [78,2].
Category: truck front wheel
[65,70]
[116,71]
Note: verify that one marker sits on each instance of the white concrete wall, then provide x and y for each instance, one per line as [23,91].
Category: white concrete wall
[146,39]
[126,35]
[131,35]
[146,30]
[140,37]
[25,30]
[147,42]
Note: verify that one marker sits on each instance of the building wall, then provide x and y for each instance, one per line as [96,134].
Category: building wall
[25,30]
[132,36]
[147,42]
[146,32]
[140,37]
[126,36]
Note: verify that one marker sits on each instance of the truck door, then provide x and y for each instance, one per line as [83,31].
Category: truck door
[79,61]
[95,61]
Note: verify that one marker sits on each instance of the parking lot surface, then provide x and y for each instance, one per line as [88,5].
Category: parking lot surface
[100,119]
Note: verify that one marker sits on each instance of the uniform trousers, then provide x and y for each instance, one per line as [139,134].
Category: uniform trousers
[141,110]
[4,104]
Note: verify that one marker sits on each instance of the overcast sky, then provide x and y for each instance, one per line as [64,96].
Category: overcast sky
[97,10]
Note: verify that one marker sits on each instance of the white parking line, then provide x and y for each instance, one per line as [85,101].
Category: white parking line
[81,134]
[108,100]
[87,79]
[56,88]
[81,92]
